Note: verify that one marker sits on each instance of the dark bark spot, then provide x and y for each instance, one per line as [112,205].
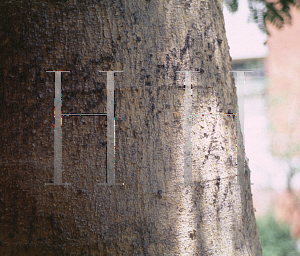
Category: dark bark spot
[192,234]
[229,161]
[152,107]
[187,44]
[95,61]
[135,134]
[159,193]
[81,191]
[218,183]
[187,5]
[135,18]
[76,59]
[49,49]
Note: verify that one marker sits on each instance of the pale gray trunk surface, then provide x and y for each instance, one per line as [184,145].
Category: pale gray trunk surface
[155,212]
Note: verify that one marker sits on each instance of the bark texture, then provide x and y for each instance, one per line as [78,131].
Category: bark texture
[151,214]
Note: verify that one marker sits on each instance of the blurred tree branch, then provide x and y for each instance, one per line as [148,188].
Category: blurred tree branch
[261,11]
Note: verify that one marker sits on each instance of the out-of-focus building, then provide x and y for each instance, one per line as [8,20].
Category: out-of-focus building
[271,107]
[283,95]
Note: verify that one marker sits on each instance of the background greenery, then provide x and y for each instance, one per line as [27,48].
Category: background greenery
[275,238]
[277,12]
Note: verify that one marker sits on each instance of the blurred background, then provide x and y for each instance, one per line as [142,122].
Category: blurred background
[271,124]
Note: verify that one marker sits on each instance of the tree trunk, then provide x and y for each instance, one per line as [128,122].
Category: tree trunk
[154,212]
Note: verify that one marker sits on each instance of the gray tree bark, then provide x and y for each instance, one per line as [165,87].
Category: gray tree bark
[155,212]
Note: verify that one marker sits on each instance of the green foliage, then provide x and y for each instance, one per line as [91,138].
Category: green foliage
[275,238]
[278,13]
[232,5]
